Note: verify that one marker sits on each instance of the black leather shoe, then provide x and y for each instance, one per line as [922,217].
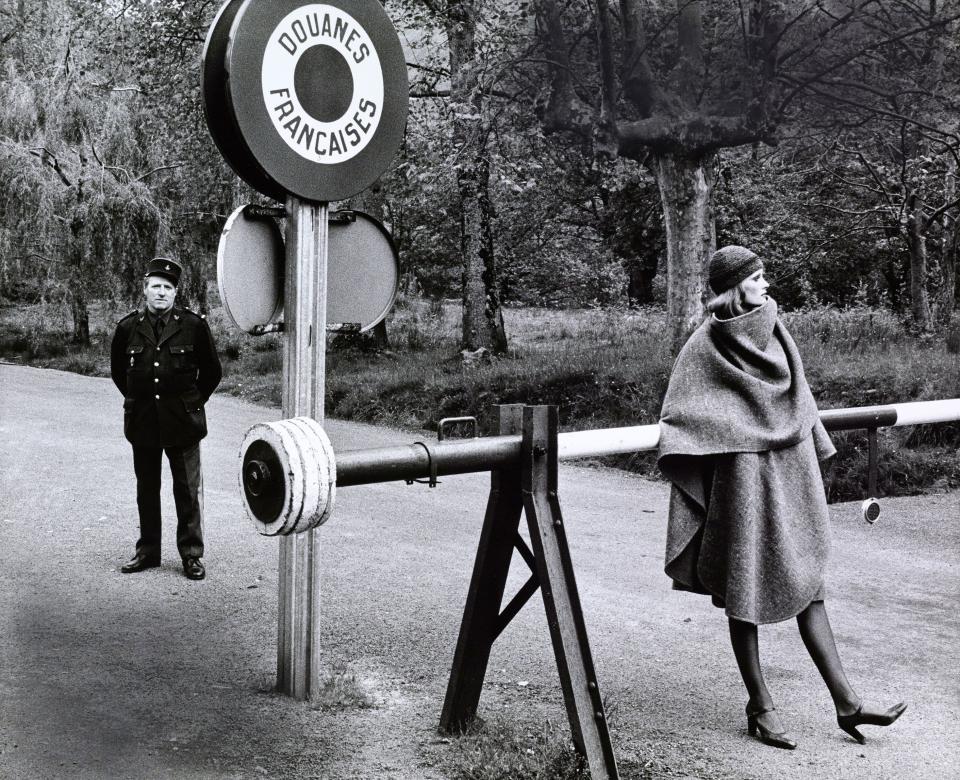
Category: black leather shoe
[850,722]
[777,739]
[193,569]
[139,562]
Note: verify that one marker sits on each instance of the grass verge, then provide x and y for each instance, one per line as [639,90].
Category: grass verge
[601,367]
[496,750]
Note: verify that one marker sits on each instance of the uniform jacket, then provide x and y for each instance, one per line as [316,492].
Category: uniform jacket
[165,385]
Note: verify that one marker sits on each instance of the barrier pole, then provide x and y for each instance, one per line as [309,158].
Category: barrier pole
[304,368]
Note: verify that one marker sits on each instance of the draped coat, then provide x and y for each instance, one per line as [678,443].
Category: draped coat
[741,441]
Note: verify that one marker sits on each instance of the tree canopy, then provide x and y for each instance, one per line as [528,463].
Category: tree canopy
[611,147]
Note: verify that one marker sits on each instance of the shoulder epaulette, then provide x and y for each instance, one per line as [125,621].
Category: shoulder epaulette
[128,315]
[196,314]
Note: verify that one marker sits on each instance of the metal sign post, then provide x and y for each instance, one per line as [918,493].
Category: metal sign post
[304,363]
[305,100]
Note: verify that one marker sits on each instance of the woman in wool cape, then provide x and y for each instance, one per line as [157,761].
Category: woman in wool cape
[741,442]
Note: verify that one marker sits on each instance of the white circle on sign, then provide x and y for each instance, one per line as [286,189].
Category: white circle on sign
[322,84]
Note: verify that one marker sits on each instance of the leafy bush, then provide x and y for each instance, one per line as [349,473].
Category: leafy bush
[265,363]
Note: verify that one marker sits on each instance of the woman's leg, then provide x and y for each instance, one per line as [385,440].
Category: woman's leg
[852,711]
[818,637]
[743,637]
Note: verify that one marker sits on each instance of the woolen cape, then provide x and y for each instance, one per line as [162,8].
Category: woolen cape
[741,441]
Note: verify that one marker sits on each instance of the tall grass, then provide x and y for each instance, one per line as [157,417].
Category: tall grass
[500,751]
[601,367]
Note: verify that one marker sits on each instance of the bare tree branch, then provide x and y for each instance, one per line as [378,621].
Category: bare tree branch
[802,84]
[50,159]
[159,168]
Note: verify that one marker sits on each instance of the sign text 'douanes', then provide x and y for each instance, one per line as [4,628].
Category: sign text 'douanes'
[325,123]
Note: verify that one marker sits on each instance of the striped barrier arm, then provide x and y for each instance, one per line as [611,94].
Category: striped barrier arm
[289,471]
[619,441]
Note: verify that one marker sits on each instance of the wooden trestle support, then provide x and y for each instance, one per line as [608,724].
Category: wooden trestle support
[530,489]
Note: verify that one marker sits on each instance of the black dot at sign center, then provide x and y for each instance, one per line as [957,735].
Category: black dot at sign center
[323,83]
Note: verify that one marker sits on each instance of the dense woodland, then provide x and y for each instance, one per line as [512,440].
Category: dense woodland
[558,152]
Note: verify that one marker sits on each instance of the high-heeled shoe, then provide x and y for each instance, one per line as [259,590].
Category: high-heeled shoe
[755,728]
[850,722]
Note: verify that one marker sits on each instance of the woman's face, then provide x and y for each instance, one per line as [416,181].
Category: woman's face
[754,289]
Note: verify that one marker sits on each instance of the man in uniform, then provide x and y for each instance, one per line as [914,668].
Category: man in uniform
[164,362]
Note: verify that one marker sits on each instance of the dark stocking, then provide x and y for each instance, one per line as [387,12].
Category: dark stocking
[743,637]
[818,637]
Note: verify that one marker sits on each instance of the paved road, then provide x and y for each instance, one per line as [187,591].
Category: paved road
[109,675]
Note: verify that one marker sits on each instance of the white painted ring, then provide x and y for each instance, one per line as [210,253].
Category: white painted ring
[309,472]
[269,435]
[320,476]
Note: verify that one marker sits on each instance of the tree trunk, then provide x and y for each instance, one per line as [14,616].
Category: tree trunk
[81,319]
[482,315]
[686,191]
[917,243]
[381,338]
[640,276]
[947,298]
[76,295]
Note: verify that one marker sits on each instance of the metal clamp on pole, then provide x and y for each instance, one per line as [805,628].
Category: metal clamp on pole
[431,465]
[270,327]
[267,212]
[342,217]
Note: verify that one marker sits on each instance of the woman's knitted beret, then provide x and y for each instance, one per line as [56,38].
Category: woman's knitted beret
[730,266]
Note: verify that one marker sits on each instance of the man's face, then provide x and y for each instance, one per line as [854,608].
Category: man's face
[159,293]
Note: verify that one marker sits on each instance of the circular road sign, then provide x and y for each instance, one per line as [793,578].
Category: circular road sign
[250,269]
[217,111]
[318,92]
[363,272]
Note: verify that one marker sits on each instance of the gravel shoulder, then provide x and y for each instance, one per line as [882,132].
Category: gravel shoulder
[104,675]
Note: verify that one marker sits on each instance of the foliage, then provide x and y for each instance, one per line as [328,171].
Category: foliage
[761,204]
[559,219]
[75,213]
[105,158]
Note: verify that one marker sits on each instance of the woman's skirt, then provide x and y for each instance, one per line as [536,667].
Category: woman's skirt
[759,547]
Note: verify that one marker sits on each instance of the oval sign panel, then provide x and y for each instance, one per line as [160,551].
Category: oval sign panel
[250,265]
[363,274]
[319,92]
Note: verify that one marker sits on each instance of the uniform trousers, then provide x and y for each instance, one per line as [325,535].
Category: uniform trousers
[187,495]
